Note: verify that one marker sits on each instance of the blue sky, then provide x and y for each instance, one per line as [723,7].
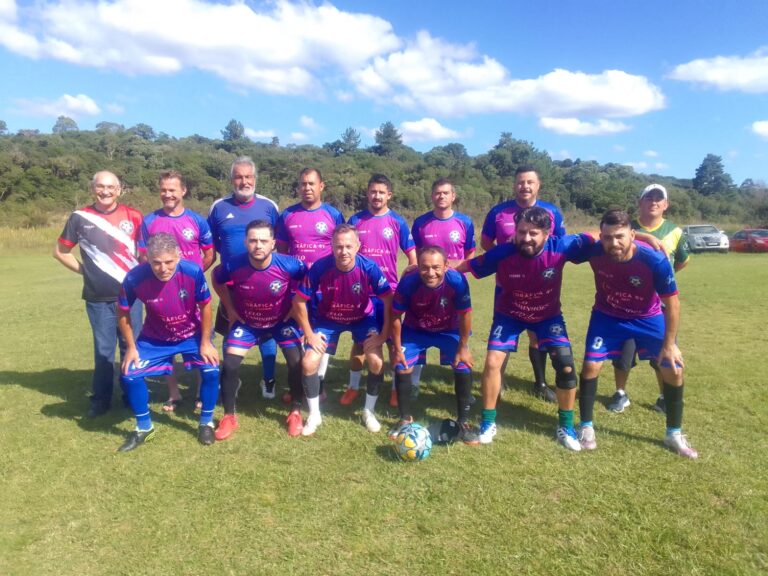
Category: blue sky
[654,84]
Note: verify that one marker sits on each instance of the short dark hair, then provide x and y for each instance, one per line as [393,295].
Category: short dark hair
[258,225]
[616,217]
[535,215]
[527,168]
[441,181]
[306,171]
[170,175]
[432,249]
[378,178]
[343,228]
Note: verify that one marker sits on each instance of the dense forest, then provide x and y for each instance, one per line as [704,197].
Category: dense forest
[43,176]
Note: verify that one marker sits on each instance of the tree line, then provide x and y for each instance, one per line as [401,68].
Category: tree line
[43,176]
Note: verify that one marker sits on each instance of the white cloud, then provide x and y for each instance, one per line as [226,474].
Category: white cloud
[651,153]
[66,105]
[453,80]
[344,96]
[576,127]
[259,134]
[760,128]
[426,130]
[745,74]
[637,165]
[277,47]
[298,137]
[308,123]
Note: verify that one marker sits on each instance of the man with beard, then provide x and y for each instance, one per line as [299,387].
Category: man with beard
[499,228]
[256,289]
[528,283]
[632,281]
[228,218]
[341,287]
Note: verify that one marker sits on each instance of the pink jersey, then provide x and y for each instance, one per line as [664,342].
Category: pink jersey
[380,238]
[308,233]
[261,297]
[172,306]
[455,234]
[189,228]
[433,309]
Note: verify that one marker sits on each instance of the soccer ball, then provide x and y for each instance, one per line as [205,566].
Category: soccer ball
[413,443]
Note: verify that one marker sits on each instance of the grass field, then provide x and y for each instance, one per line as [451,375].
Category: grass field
[263,503]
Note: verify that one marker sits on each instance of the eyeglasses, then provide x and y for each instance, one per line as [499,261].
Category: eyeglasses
[107,187]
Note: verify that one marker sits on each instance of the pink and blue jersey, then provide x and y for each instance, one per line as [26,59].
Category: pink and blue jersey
[343,297]
[528,289]
[229,218]
[261,297]
[171,307]
[631,289]
[380,237]
[455,235]
[432,309]
[307,234]
[189,228]
[499,224]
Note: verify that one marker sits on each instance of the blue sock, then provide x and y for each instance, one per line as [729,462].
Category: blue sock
[138,398]
[673,430]
[209,393]
[268,350]
[586,423]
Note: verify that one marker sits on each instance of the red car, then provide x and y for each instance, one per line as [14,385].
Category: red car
[750,240]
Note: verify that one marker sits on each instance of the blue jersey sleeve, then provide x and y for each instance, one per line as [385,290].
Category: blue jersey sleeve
[489,224]
[406,238]
[663,275]
[206,236]
[577,247]
[376,277]
[416,230]
[469,243]
[486,264]
[462,300]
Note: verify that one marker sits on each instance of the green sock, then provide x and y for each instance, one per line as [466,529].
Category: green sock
[566,418]
[489,415]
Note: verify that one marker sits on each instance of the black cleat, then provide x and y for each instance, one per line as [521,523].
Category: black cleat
[136,439]
[544,392]
[205,435]
[95,411]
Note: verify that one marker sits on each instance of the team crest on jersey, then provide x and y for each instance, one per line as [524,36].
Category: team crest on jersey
[275,286]
[372,331]
[387,232]
[183,293]
[443,302]
[454,235]
[286,331]
[188,234]
[357,288]
[556,329]
[382,280]
[635,281]
[321,227]
[549,273]
[126,226]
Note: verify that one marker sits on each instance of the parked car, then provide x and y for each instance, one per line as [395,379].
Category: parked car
[750,240]
[705,238]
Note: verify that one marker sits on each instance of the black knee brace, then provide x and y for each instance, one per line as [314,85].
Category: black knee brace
[565,370]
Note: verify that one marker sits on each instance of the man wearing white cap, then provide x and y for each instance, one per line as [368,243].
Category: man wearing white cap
[652,204]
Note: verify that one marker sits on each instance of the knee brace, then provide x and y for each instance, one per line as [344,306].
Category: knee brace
[565,370]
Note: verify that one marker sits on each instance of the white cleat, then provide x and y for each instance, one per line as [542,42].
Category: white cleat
[370,421]
[313,421]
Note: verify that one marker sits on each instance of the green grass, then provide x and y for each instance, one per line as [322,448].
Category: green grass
[263,503]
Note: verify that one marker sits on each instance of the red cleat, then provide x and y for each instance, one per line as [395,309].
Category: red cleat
[287,398]
[349,396]
[294,423]
[227,426]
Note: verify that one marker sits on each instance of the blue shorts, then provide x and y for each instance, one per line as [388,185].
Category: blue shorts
[332,330]
[550,333]
[156,357]
[606,336]
[287,334]
[417,342]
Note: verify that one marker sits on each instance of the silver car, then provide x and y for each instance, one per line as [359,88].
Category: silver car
[705,238]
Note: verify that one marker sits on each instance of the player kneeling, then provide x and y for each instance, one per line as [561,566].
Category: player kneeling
[438,312]
[178,321]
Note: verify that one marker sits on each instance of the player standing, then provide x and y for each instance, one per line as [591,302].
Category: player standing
[341,288]
[632,281]
[178,321]
[256,290]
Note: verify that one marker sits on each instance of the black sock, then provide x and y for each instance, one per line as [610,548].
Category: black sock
[538,360]
[673,397]
[587,393]
[293,359]
[404,383]
[462,384]
[312,385]
[374,382]
[230,381]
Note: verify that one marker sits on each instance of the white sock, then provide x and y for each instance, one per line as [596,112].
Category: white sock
[370,402]
[416,375]
[621,392]
[314,406]
[354,379]
[323,368]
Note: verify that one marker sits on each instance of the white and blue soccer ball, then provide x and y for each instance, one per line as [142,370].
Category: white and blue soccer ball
[413,443]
